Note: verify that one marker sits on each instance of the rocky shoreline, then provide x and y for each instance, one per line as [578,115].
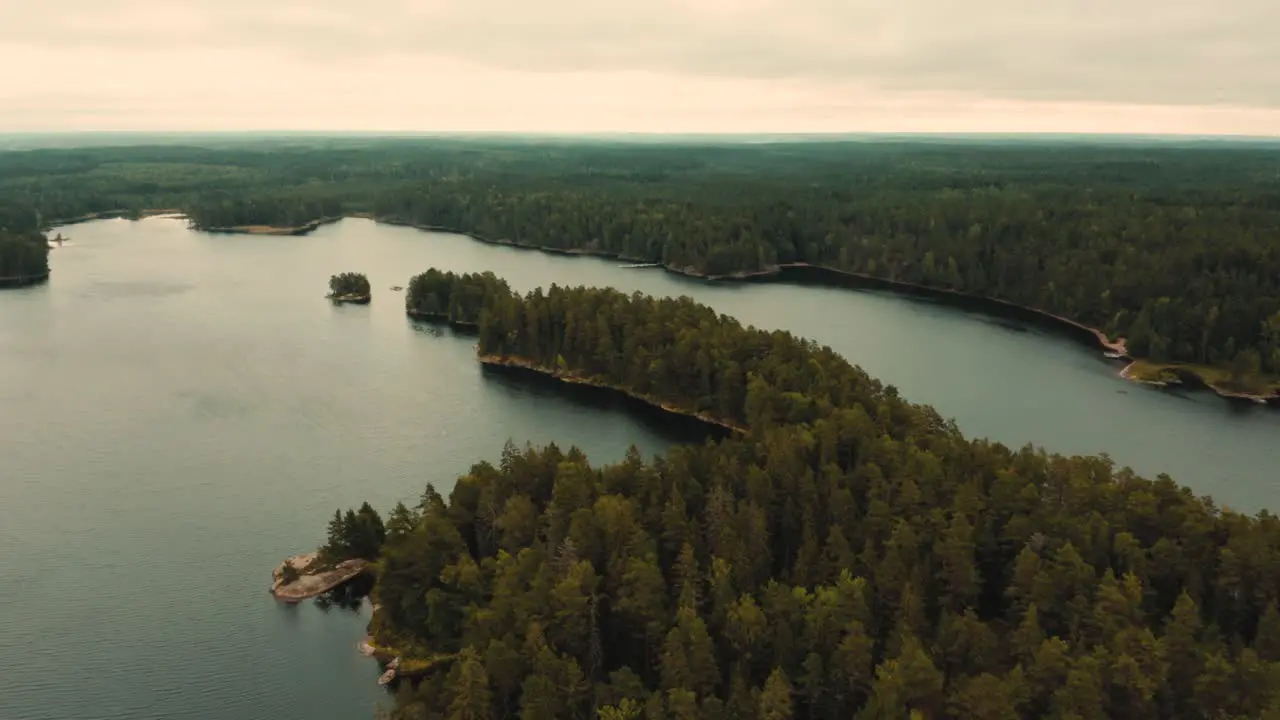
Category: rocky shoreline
[312,580]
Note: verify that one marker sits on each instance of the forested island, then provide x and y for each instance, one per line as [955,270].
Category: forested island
[1169,246]
[850,555]
[350,287]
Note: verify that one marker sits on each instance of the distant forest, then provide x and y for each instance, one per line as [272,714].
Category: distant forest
[1176,248]
[850,555]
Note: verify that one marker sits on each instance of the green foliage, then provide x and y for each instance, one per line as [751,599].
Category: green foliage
[851,556]
[1170,245]
[469,683]
[23,254]
[457,299]
[357,534]
[349,284]
[628,709]
[775,698]
[675,349]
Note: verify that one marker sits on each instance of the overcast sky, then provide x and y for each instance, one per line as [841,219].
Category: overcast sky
[1145,66]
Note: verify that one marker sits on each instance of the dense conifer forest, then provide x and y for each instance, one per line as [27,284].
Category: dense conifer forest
[23,255]
[456,299]
[1175,247]
[24,252]
[850,555]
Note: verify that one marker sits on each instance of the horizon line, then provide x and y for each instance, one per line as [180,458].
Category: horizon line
[646,133]
[50,140]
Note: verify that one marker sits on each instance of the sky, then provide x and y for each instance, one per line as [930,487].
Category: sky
[567,66]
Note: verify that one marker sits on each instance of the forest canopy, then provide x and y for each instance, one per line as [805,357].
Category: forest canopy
[23,255]
[457,299]
[851,556]
[1171,245]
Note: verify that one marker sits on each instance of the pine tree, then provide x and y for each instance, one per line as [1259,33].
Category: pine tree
[775,699]
[1267,640]
[687,579]
[336,547]
[472,698]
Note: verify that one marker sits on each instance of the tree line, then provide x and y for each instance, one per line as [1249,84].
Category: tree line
[23,255]
[456,299]
[357,534]
[1169,245]
[852,555]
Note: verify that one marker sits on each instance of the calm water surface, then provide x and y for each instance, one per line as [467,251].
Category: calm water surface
[178,411]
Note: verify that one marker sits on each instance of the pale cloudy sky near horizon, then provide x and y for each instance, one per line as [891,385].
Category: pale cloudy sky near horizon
[1131,66]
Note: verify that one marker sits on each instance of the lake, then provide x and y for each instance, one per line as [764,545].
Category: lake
[182,410]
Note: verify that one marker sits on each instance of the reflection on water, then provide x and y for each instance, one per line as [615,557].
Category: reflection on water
[123,290]
[348,596]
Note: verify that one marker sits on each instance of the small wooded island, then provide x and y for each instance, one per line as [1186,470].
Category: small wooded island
[350,287]
[849,555]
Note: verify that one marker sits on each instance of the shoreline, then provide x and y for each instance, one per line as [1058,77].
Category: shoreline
[1117,348]
[350,299]
[440,318]
[117,214]
[302,229]
[14,282]
[569,252]
[778,273]
[993,306]
[1187,378]
[318,582]
[522,364]
[312,583]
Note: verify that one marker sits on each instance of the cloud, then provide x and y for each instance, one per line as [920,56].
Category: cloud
[1205,57]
